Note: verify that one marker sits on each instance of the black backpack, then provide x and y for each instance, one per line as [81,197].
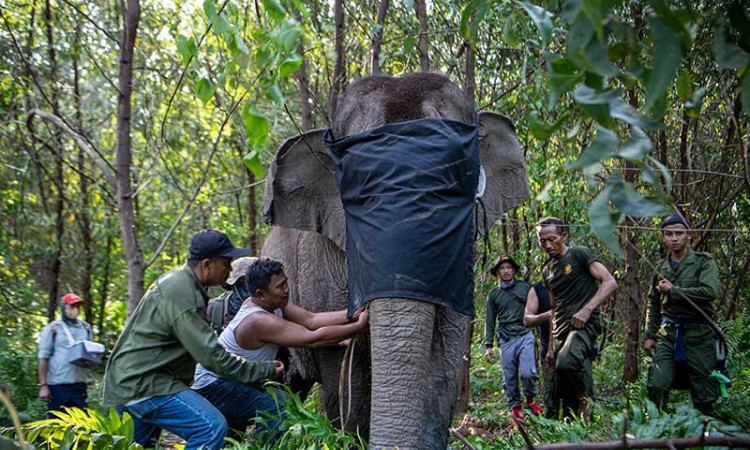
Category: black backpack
[218,312]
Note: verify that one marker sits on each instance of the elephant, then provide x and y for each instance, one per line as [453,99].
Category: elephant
[403,377]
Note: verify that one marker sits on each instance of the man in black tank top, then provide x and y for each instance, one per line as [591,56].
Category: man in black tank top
[538,313]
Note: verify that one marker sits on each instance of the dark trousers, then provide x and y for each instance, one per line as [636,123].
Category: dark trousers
[574,380]
[67,395]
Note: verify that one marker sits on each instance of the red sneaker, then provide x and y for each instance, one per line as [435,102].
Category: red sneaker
[536,409]
[518,413]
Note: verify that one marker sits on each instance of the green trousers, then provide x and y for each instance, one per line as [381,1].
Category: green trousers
[700,346]
[574,378]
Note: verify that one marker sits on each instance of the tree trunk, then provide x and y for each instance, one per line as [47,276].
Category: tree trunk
[83,214]
[337,82]
[424,58]
[252,212]
[377,38]
[104,285]
[464,384]
[633,306]
[303,82]
[133,254]
[59,182]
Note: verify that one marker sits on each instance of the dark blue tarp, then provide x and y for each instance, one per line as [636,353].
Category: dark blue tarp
[408,192]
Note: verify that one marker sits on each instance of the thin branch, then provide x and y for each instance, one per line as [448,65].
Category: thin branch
[94,23]
[107,170]
[198,188]
[461,438]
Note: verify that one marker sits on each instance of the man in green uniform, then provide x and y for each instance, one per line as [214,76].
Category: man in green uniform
[578,284]
[152,365]
[678,336]
[505,306]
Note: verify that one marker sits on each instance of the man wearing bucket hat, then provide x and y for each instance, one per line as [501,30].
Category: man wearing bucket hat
[678,336]
[152,365]
[505,307]
[61,383]
[223,308]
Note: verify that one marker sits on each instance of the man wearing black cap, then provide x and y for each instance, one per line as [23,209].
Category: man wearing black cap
[152,365]
[677,335]
[505,306]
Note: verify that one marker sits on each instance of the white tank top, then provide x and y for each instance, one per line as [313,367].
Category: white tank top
[204,377]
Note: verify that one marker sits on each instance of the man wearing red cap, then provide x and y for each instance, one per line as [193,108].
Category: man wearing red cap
[62,384]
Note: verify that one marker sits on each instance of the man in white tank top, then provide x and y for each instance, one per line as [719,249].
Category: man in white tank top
[265,322]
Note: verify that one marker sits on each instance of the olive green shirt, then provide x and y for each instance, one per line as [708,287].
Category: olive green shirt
[573,286]
[696,278]
[505,307]
[167,334]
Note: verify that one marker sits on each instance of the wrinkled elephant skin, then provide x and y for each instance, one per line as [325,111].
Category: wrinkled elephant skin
[415,346]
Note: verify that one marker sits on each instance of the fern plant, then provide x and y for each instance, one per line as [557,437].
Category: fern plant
[88,429]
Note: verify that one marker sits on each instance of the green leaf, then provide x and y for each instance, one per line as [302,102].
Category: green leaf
[409,43]
[209,8]
[289,66]
[619,109]
[563,76]
[631,202]
[603,146]
[667,55]
[594,10]
[666,176]
[728,54]
[187,48]
[219,25]
[542,19]
[538,129]
[256,126]
[204,89]
[272,90]
[274,9]
[637,146]
[509,35]
[239,43]
[601,221]
[471,17]
[289,35]
[684,85]
[590,96]
[253,163]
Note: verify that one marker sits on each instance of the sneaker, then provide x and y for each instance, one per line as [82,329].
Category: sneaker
[518,414]
[536,409]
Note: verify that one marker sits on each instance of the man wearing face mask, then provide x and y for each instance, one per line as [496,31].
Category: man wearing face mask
[62,384]
[222,309]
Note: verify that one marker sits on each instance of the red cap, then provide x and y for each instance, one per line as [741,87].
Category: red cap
[71,299]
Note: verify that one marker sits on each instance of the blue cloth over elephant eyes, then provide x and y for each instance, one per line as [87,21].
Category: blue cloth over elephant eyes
[408,191]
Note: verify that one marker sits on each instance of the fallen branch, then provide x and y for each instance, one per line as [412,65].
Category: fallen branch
[461,438]
[698,441]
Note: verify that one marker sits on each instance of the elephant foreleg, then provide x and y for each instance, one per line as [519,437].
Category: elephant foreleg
[400,354]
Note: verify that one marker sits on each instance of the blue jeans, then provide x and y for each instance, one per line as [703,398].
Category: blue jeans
[66,395]
[241,404]
[186,414]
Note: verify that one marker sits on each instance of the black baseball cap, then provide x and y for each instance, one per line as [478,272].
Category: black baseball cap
[214,244]
[503,259]
[675,219]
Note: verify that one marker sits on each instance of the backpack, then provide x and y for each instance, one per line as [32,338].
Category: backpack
[218,312]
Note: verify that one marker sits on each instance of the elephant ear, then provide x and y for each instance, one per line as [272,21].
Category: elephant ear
[504,164]
[301,190]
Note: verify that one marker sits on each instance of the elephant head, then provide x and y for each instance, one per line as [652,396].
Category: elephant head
[416,345]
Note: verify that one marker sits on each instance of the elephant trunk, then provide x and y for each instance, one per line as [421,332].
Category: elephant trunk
[416,354]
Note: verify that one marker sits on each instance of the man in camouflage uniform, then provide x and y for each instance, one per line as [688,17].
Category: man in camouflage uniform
[680,339]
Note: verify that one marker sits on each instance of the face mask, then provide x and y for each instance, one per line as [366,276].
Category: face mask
[72,312]
[241,291]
